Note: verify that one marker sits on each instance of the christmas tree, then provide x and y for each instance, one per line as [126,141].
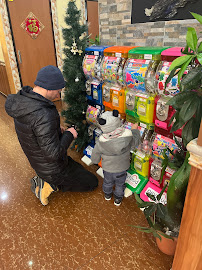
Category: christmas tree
[76,39]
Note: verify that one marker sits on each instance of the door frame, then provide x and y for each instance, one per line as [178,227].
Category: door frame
[10,59]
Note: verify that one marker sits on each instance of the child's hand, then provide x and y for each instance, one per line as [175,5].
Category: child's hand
[134,126]
[73,131]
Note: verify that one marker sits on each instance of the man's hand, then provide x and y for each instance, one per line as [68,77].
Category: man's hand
[62,129]
[73,131]
[134,126]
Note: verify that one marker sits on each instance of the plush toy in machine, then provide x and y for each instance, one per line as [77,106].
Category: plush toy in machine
[114,146]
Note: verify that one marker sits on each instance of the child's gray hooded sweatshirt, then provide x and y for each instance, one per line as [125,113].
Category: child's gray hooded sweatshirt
[114,145]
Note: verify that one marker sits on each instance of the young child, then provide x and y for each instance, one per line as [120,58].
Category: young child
[114,146]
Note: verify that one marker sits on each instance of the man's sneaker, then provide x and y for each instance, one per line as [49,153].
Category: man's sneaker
[108,196]
[35,185]
[45,191]
[117,201]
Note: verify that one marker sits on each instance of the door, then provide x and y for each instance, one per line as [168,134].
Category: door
[92,15]
[31,25]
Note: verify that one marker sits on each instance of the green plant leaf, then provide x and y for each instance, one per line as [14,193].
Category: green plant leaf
[178,100]
[138,198]
[171,75]
[165,235]
[178,143]
[178,123]
[149,211]
[155,234]
[188,109]
[187,134]
[151,196]
[197,120]
[192,80]
[144,229]
[199,57]
[197,17]
[161,193]
[187,51]
[200,47]
[179,61]
[161,211]
[150,222]
[191,38]
[184,67]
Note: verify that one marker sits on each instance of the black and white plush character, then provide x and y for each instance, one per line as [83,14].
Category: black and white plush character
[109,121]
[113,147]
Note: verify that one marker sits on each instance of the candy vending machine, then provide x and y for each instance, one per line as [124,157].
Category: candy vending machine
[112,75]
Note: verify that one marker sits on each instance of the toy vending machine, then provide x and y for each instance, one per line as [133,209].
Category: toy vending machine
[164,112]
[92,114]
[163,72]
[92,70]
[139,76]
[112,75]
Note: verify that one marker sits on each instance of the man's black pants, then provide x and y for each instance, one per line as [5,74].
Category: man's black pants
[76,178]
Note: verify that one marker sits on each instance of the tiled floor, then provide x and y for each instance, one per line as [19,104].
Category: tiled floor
[75,231]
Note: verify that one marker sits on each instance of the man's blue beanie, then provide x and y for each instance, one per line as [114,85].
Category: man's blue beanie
[50,78]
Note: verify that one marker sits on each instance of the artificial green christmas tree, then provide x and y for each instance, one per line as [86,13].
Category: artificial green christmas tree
[76,39]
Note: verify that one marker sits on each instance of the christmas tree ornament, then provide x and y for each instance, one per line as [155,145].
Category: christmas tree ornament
[83,112]
[80,52]
[74,49]
[77,79]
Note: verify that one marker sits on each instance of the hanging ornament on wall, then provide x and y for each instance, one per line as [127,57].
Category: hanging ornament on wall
[74,49]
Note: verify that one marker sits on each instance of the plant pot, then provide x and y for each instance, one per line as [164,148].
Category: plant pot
[166,245]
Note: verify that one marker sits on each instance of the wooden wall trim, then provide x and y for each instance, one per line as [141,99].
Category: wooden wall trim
[8,50]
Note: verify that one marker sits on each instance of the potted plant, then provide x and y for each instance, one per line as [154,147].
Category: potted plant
[188,103]
[164,220]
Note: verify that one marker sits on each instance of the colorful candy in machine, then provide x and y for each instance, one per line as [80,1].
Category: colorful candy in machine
[92,70]
[112,75]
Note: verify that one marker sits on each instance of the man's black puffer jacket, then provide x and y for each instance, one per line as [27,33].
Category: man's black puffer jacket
[37,125]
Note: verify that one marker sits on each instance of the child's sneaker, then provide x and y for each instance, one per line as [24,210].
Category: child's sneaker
[108,196]
[117,201]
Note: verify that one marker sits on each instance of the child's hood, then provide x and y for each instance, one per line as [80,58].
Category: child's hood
[116,146]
